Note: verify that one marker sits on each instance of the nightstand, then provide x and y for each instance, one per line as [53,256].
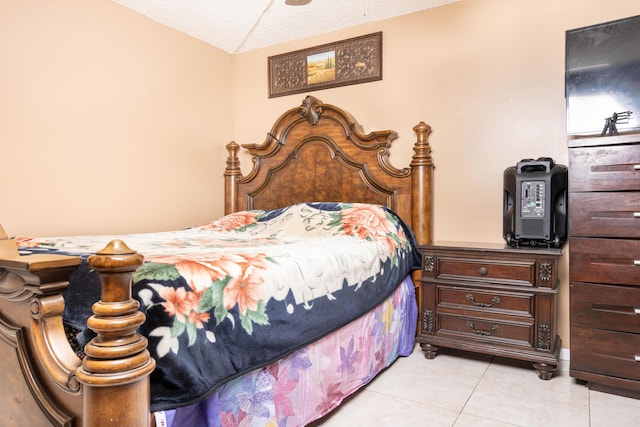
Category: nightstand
[491,298]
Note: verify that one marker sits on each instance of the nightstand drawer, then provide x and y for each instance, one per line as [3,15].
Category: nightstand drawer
[615,308]
[611,261]
[605,168]
[488,331]
[605,214]
[486,301]
[606,352]
[480,271]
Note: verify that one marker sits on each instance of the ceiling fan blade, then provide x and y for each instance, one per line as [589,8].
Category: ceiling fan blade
[296,2]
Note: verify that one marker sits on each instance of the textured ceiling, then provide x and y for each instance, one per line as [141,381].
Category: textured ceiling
[237,26]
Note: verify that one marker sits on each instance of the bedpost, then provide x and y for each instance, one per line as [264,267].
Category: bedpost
[115,372]
[231,175]
[422,185]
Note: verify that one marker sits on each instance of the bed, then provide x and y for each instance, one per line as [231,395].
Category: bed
[113,370]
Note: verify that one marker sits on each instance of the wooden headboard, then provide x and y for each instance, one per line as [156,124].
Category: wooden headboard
[319,152]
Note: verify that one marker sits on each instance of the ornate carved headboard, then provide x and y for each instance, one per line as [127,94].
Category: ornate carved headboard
[318,152]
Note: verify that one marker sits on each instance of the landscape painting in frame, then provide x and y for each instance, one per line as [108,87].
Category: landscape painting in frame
[347,62]
[321,67]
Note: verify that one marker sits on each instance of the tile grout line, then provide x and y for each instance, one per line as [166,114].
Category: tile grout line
[589,405]
[473,391]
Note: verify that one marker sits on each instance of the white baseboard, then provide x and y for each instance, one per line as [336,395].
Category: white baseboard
[564,354]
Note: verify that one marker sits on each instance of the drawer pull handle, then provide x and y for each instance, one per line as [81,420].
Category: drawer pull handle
[636,262]
[482,271]
[636,214]
[637,358]
[483,332]
[636,167]
[636,310]
[491,303]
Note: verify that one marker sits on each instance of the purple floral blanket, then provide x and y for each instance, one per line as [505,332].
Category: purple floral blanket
[245,290]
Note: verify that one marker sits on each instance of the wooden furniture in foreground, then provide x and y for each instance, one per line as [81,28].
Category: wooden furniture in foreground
[604,272]
[40,370]
[315,152]
[493,299]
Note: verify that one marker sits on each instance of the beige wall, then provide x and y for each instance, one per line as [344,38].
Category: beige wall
[109,122]
[92,93]
[487,75]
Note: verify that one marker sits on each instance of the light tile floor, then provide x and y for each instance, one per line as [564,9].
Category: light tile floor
[464,389]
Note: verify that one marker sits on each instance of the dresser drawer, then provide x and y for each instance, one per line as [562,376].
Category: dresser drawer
[614,214]
[615,308]
[519,273]
[485,301]
[610,261]
[605,168]
[485,330]
[606,352]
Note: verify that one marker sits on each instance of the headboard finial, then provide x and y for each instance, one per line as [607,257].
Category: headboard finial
[422,149]
[311,109]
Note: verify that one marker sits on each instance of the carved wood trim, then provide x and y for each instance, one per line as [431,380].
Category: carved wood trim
[544,337]
[32,284]
[427,321]
[8,333]
[48,332]
[55,414]
[429,262]
[311,109]
[546,271]
[63,377]
[12,287]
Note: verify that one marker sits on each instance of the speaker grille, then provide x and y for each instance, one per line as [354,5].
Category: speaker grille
[533,228]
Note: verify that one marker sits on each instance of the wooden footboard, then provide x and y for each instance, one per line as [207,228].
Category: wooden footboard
[44,381]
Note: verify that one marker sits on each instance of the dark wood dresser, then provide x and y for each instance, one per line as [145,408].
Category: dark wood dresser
[491,298]
[604,258]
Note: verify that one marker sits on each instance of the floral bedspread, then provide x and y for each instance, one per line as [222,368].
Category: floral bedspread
[245,290]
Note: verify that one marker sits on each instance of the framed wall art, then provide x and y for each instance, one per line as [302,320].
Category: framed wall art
[347,62]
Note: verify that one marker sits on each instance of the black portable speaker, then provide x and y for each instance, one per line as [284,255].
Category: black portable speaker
[535,203]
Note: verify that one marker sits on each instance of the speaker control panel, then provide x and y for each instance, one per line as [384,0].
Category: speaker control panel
[533,199]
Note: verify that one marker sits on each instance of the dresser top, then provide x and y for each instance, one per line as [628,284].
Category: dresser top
[490,247]
[593,141]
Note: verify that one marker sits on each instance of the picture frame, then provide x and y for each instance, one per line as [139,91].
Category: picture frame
[346,62]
